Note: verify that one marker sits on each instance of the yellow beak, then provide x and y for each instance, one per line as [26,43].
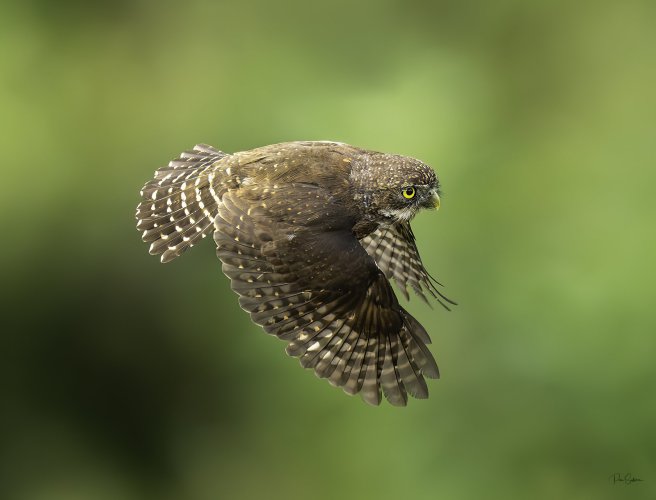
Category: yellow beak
[436,201]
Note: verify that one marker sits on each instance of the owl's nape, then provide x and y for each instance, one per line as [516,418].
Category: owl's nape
[283,221]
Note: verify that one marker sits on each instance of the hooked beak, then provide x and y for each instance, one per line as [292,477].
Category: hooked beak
[435,200]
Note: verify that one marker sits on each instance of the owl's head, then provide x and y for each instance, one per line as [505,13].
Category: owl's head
[396,187]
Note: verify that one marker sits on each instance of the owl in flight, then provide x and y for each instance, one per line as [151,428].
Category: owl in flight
[310,235]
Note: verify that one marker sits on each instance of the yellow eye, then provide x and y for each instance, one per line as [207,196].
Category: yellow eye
[409,192]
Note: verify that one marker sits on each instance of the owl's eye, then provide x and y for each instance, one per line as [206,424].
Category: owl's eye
[409,192]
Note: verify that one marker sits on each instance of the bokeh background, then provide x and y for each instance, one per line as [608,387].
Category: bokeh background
[122,378]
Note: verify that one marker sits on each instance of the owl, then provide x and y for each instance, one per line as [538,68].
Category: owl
[310,235]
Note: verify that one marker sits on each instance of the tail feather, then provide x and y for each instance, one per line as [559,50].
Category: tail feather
[178,205]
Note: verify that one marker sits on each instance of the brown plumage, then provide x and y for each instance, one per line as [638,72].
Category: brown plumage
[310,233]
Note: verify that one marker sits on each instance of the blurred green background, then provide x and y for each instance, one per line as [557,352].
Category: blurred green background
[126,379]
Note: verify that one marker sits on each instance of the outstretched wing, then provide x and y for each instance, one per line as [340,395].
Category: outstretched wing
[304,277]
[178,206]
[394,250]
